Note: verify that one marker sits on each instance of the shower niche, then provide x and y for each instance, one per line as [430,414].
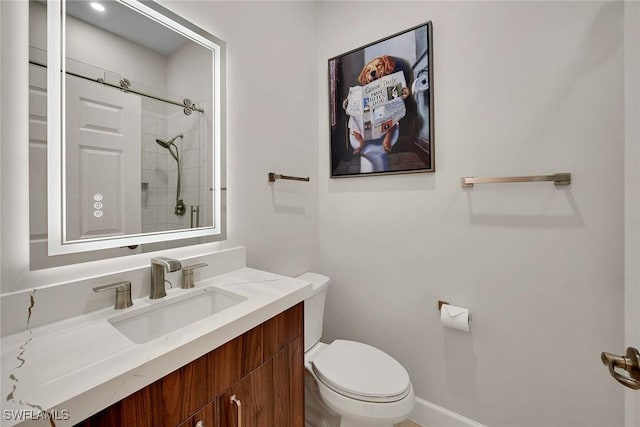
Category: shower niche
[125,100]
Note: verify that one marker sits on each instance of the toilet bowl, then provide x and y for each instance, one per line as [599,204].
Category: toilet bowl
[362,384]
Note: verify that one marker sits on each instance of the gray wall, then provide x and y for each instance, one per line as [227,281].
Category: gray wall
[521,88]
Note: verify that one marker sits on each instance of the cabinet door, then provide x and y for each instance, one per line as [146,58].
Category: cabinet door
[271,395]
[253,402]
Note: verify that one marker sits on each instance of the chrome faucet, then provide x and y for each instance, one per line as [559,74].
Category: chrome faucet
[158,266]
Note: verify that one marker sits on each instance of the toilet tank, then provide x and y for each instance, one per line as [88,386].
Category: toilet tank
[314,308]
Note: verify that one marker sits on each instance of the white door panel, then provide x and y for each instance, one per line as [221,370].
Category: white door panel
[96,168]
[103,161]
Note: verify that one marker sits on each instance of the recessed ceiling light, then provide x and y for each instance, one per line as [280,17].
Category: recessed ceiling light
[97,6]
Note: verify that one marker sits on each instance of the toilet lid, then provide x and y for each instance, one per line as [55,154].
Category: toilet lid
[361,371]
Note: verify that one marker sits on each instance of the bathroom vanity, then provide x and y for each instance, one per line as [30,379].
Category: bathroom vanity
[108,367]
[261,369]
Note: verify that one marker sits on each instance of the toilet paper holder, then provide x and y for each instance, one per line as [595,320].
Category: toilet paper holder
[440,303]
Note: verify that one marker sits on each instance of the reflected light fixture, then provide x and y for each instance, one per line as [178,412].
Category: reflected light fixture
[97,6]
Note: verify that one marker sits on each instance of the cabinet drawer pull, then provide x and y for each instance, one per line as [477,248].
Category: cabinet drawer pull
[238,404]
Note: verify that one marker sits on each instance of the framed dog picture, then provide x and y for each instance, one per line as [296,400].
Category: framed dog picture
[381,106]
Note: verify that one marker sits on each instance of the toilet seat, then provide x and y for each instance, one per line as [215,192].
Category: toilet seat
[362,372]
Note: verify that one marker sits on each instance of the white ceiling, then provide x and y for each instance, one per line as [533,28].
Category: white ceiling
[127,23]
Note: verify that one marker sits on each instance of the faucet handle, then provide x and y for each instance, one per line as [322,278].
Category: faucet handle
[123,293]
[187,275]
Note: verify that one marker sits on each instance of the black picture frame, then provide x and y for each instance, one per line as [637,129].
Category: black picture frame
[371,135]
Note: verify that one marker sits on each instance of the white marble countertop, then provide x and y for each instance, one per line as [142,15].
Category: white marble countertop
[76,367]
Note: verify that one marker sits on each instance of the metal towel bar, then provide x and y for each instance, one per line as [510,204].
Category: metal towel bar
[557,178]
[274,176]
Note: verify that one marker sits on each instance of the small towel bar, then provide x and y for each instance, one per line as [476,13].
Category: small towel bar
[274,176]
[557,178]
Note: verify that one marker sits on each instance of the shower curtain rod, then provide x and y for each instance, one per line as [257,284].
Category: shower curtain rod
[187,105]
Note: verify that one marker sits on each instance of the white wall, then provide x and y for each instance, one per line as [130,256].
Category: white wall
[89,44]
[15,111]
[4,103]
[521,88]
[271,126]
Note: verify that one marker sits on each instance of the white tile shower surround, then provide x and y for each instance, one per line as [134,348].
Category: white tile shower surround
[154,172]
[160,170]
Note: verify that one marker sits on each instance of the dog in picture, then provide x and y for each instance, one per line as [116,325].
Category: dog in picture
[375,69]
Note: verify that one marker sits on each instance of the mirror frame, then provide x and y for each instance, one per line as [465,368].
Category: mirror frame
[57,242]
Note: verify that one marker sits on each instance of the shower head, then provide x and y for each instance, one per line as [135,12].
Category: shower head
[163,144]
[169,143]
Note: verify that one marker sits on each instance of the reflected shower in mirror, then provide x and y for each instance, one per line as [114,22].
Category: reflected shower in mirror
[180,207]
[161,70]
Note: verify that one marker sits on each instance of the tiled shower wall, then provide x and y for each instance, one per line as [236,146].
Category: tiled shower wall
[155,174]
[159,172]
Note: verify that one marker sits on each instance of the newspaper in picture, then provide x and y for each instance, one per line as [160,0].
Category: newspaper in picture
[375,107]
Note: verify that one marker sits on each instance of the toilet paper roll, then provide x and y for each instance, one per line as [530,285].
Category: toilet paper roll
[455,317]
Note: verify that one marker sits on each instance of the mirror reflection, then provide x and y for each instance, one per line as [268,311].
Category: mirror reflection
[137,135]
[125,75]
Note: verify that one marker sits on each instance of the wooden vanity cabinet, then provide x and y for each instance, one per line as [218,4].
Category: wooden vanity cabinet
[263,368]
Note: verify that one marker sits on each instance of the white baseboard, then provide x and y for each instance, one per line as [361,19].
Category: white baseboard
[429,414]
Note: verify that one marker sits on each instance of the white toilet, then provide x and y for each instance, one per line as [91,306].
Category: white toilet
[360,383]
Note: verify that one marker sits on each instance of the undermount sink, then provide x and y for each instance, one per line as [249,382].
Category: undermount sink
[166,316]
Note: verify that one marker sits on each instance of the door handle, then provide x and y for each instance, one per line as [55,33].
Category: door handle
[630,363]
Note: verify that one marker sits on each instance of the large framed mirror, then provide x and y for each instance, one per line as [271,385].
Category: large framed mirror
[134,136]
